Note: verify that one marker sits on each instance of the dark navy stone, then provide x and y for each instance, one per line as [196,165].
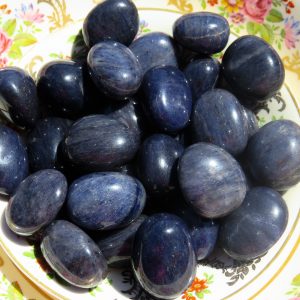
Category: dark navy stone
[167,98]
[116,20]
[101,201]
[117,246]
[36,202]
[73,255]
[211,180]
[154,49]
[273,154]
[163,257]
[114,69]
[202,75]
[202,32]
[218,118]
[252,229]
[18,97]
[251,120]
[43,142]
[99,142]
[252,68]
[157,163]
[13,160]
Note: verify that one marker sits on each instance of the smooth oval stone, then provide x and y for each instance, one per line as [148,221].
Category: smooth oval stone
[116,20]
[99,142]
[13,160]
[18,97]
[36,202]
[252,229]
[202,32]
[273,154]
[252,68]
[117,246]
[154,49]
[251,120]
[157,163]
[167,98]
[43,142]
[202,75]
[163,257]
[211,180]
[73,255]
[114,69]
[101,201]
[218,118]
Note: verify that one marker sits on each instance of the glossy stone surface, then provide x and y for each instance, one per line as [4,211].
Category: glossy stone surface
[202,75]
[115,20]
[154,49]
[218,118]
[73,255]
[108,200]
[157,163]
[13,160]
[211,180]
[163,257]
[43,142]
[167,98]
[114,69]
[252,229]
[251,121]
[36,202]
[18,97]
[117,246]
[99,142]
[273,154]
[252,68]
[202,32]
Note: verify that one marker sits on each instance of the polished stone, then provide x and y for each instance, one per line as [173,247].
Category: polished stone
[251,120]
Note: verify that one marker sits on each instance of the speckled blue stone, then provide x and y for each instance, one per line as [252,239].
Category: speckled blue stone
[163,257]
[36,202]
[73,255]
[43,142]
[167,98]
[114,69]
[252,229]
[101,201]
[211,180]
[202,75]
[154,49]
[252,68]
[273,154]
[251,120]
[13,160]
[18,97]
[116,20]
[218,118]
[202,32]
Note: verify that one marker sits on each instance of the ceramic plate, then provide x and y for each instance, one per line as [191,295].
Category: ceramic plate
[33,33]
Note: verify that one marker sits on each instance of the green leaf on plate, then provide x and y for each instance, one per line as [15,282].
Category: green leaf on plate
[252,27]
[203,4]
[10,26]
[15,52]
[29,254]
[28,23]
[24,39]
[266,33]
[274,16]
[296,280]
[72,38]
[200,295]
[14,292]
[282,33]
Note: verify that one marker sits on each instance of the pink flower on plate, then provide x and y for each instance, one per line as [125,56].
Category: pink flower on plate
[292,33]
[3,62]
[237,18]
[296,298]
[257,10]
[5,42]
[30,14]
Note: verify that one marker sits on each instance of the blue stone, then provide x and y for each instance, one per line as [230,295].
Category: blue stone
[253,69]
[251,120]
[73,255]
[167,98]
[273,154]
[211,180]
[108,200]
[116,20]
[154,49]
[18,97]
[163,257]
[252,229]
[218,118]
[114,69]
[202,32]
[13,160]
[36,202]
